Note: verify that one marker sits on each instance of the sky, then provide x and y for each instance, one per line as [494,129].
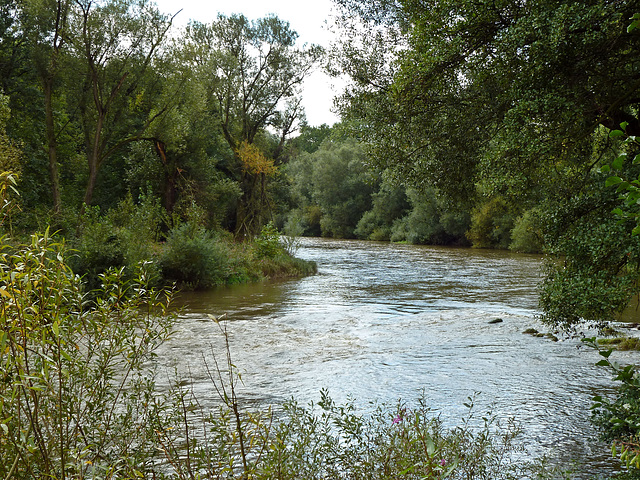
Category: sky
[308,18]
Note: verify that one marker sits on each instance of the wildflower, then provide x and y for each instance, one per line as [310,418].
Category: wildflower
[443,462]
[397,419]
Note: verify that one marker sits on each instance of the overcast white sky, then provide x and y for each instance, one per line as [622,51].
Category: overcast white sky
[305,17]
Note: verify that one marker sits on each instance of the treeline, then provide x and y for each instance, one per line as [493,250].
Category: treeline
[333,193]
[138,141]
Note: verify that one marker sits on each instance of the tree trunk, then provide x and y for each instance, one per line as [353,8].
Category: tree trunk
[170,177]
[51,145]
[93,160]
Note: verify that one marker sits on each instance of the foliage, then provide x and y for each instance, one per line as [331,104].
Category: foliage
[491,224]
[124,237]
[389,204]
[431,220]
[501,93]
[628,187]
[253,160]
[268,242]
[618,420]
[252,71]
[194,257]
[526,235]
[592,270]
[10,151]
[334,179]
[8,196]
[508,99]
[77,397]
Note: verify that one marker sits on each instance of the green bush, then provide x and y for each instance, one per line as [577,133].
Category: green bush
[526,236]
[267,243]
[77,391]
[491,225]
[195,258]
[431,221]
[123,237]
[97,248]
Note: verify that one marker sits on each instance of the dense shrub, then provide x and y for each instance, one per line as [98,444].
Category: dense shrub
[267,243]
[390,203]
[124,237]
[431,221]
[194,257]
[526,236]
[77,391]
[491,224]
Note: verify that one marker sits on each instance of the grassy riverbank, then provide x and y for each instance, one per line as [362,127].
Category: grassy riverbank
[175,251]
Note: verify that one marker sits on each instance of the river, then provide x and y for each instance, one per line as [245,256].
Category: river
[385,321]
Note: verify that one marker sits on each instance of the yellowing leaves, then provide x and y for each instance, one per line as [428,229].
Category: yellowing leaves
[253,160]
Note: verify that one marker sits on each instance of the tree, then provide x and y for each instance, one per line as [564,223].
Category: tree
[334,180]
[47,26]
[10,153]
[116,46]
[253,73]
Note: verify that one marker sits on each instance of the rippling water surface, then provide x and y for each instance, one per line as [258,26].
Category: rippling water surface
[382,322]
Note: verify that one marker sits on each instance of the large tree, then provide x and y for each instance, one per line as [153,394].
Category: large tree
[116,45]
[253,72]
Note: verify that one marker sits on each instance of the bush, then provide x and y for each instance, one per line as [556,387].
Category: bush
[618,419]
[430,221]
[194,258]
[77,391]
[124,237]
[267,243]
[491,225]
[98,248]
[526,236]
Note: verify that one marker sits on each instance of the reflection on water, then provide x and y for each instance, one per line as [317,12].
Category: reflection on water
[383,322]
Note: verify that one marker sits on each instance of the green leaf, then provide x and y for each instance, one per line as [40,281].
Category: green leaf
[55,326]
[636,159]
[616,133]
[605,169]
[606,353]
[619,161]
[636,230]
[612,181]
[622,186]
[3,342]
[602,363]
[431,447]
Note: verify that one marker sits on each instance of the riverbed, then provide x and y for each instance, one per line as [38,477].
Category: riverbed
[380,322]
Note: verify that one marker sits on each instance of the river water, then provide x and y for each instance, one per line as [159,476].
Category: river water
[380,322]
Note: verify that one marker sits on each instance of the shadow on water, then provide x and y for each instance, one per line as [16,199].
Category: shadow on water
[382,322]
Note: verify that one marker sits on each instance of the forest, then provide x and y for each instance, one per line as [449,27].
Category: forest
[128,141]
